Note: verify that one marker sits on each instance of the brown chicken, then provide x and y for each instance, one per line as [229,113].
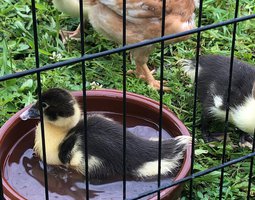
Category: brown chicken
[144,21]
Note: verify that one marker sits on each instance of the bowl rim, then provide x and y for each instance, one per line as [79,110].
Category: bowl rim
[118,95]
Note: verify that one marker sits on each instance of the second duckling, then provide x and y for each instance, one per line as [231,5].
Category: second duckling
[64,139]
[213,81]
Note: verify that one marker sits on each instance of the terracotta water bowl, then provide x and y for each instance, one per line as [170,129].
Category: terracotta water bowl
[22,172]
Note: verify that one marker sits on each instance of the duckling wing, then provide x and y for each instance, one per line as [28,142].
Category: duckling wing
[66,148]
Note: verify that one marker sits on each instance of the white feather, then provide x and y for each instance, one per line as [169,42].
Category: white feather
[242,116]
[71,7]
[218,102]
[151,168]
[167,165]
[197,3]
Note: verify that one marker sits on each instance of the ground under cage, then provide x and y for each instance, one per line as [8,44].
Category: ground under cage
[30,37]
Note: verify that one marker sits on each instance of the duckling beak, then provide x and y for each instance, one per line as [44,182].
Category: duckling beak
[31,113]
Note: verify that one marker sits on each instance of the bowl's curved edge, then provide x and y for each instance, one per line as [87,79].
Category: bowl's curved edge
[110,93]
[9,192]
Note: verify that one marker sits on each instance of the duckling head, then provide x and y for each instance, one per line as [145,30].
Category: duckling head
[59,107]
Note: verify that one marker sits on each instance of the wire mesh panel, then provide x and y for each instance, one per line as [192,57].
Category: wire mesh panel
[85,56]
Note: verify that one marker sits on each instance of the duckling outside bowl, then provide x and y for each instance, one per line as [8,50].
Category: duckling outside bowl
[103,101]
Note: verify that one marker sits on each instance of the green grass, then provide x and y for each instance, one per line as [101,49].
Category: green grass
[17,54]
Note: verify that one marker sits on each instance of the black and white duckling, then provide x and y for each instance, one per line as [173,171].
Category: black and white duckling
[64,139]
[213,81]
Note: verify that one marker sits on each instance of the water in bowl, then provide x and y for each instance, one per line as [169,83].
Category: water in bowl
[24,171]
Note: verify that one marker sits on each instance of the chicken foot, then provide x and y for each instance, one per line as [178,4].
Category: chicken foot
[143,72]
[70,35]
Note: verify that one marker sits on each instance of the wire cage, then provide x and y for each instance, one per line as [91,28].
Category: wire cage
[84,57]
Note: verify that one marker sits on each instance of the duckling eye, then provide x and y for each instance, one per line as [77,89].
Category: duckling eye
[45,105]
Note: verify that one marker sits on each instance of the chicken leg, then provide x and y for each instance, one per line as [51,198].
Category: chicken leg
[141,57]
[144,73]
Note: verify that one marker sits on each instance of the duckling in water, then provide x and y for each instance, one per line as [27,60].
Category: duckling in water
[64,140]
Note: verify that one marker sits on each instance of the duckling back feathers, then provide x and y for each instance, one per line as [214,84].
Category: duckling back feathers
[105,149]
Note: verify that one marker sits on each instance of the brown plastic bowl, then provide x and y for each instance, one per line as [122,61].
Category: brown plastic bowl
[103,101]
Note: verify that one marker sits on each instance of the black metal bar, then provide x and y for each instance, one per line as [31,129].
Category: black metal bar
[251,169]
[37,63]
[196,175]
[84,98]
[124,69]
[161,93]
[121,49]
[1,186]
[228,99]
[195,98]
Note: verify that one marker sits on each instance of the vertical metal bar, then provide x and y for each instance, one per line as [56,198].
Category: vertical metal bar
[124,99]
[228,99]
[161,93]
[195,98]
[37,62]
[84,99]
[251,169]
[1,186]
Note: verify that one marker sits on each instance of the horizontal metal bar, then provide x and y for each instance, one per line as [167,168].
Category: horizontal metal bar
[121,49]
